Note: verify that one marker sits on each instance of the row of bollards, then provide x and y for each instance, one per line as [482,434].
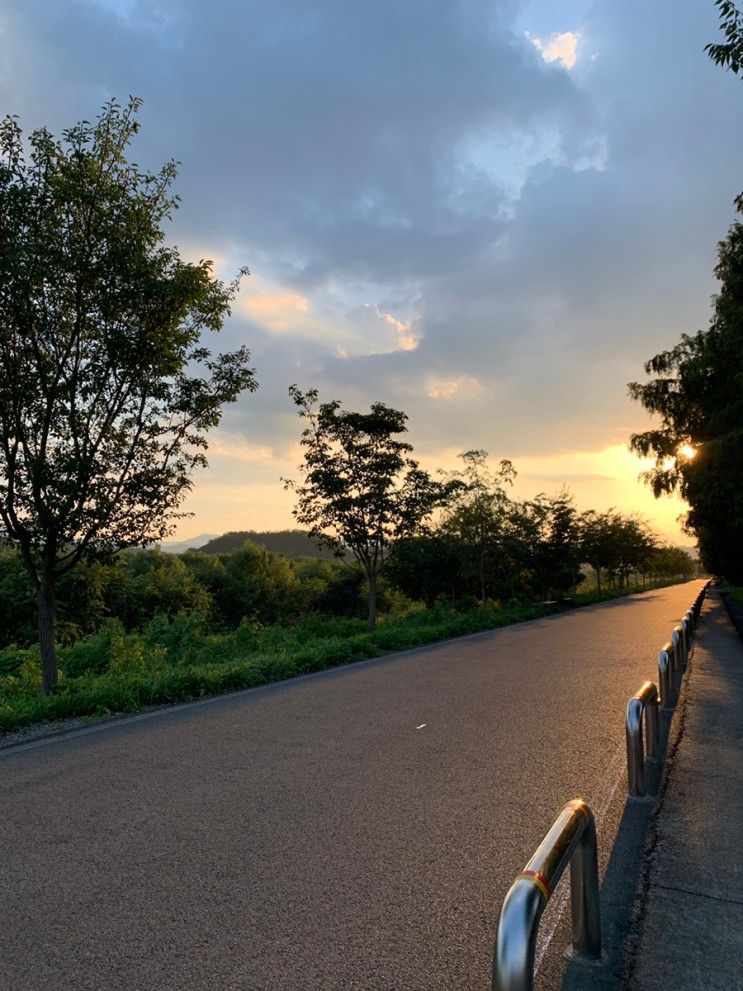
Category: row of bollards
[672,662]
[572,838]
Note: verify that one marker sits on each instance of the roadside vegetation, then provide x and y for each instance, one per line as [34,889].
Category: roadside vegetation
[147,628]
[107,400]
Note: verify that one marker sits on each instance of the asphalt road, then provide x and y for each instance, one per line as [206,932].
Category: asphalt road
[354,830]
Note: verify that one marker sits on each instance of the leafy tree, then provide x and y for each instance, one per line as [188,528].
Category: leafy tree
[362,492]
[697,391]
[557,550]
[634,545]
[428,567]
[107,391]
[158,584]
[730,52]
[598,543]
[479,510]
[671,562]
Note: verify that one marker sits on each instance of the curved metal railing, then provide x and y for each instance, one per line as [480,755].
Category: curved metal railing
[572,839]
[644,702]
[672,661]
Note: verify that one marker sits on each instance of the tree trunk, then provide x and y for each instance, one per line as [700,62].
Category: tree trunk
[46,634]
[372,602]
[598,579]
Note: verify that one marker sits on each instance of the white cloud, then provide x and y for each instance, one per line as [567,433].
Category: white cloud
[559,47]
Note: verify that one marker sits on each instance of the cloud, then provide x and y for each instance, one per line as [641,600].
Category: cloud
[424,202]
[559,47]
[276,310]
[442,388]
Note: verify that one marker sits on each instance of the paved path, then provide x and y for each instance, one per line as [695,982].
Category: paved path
[691,932]
[354,830]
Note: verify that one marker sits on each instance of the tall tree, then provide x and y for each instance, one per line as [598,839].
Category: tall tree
[107,391]
[697,391]
[479,511]
[556,553]
[598,541]
[361,491]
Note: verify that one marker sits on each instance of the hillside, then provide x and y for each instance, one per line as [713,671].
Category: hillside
[292,543]
[179,546]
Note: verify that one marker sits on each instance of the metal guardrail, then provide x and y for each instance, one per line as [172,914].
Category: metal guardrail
[572,839]
[672,661]
[644,702]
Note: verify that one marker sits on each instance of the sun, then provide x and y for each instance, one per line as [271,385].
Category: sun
[687,452]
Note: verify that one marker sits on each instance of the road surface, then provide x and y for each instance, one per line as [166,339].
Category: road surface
[354,830]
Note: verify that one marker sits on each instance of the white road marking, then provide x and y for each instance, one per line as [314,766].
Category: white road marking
[422,726]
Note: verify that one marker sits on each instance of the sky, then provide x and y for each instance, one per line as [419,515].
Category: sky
[487,214]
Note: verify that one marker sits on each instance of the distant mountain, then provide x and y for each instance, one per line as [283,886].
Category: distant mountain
[292,543]
[179,546]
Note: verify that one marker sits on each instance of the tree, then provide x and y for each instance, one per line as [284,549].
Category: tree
[634,544]
[697,392]
[479,510]
[729,53]
[427,567]
[107,392]
[362,492]
[671,562]
[598,541]
[556,553]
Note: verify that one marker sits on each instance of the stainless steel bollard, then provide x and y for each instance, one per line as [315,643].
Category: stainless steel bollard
[666,676]
[679,645]
[689,617]
[685,626]
[644,702]
[572,839]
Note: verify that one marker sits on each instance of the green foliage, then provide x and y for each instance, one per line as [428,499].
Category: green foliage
[478,518]
[176,660]
[107,390]
[697,391]
[730,52]
[428,568]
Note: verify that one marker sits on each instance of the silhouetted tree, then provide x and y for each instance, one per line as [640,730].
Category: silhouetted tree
[598,541]
[478,513]
[697,391]
[557,550]
[362,492]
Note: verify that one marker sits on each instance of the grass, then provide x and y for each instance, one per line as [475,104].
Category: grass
[174,661]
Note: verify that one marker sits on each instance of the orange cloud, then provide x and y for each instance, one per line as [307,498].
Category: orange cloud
[277,311]
[560,47]
[441,388]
